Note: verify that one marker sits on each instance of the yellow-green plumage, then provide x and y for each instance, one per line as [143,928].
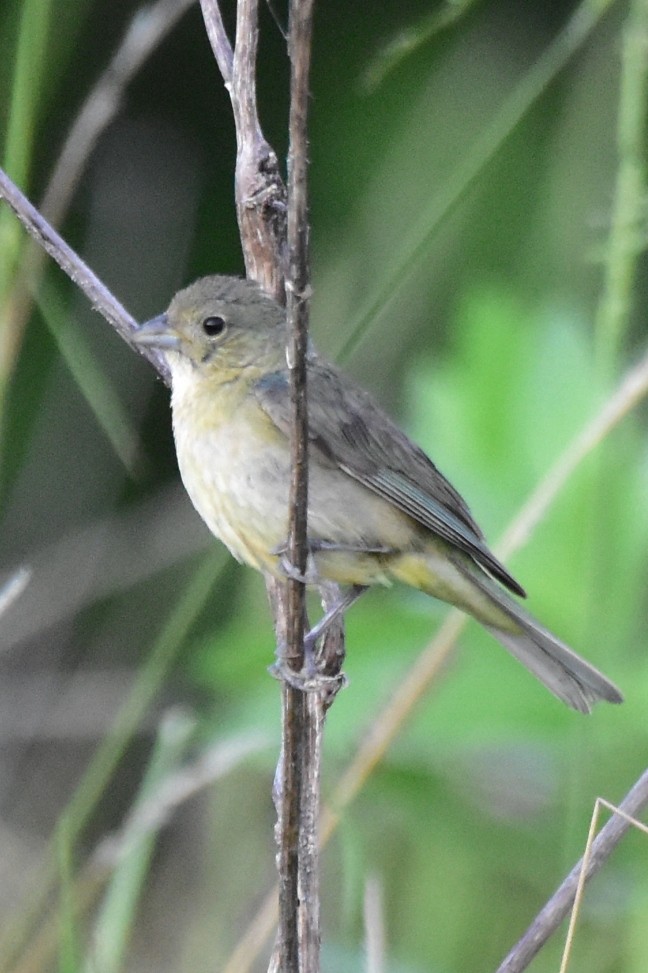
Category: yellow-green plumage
[378,509]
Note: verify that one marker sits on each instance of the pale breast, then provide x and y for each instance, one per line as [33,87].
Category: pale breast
[235,468]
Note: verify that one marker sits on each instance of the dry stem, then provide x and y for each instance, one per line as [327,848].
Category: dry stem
[558,906]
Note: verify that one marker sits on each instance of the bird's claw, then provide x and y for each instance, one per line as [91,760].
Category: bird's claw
[309,577]
[308,680]
[290,570]
[311,678]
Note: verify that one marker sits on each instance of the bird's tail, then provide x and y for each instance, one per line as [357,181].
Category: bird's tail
[563,672]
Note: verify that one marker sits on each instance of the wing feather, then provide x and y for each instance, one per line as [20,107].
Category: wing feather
[349,430]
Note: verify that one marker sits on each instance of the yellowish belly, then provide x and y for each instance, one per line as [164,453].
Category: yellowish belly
[238,486]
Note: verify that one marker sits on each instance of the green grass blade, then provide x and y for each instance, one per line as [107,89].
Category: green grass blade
[26,89]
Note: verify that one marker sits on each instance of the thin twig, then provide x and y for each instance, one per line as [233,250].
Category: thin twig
[218,39]
[298,301]
[582,878]
[244,100]
[259,189]
[558,906]
[286,956]
[296,745]
[77,270]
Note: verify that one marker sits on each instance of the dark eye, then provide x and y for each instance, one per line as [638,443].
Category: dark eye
[214,325]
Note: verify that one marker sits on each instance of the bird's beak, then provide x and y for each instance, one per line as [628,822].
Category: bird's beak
[157,333]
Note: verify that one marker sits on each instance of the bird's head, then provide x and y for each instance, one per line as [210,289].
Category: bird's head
[219,326]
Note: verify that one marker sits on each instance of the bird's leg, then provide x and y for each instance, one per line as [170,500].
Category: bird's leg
[311,676]
[309,577]
[311,679]
[349,597]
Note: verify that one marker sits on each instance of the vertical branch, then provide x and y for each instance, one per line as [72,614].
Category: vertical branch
[259,189]
[298,296]
[299,886]
[261,210]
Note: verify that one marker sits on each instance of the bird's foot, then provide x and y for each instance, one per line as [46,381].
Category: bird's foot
[309,680]
[290,570]
[311,677]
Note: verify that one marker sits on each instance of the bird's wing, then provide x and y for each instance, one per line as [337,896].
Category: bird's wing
[349,430]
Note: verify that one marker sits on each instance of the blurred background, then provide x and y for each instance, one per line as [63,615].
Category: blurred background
[464,161]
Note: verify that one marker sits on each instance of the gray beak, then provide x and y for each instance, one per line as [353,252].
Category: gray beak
[157,333]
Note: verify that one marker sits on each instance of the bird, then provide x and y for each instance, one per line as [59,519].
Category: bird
[379,510]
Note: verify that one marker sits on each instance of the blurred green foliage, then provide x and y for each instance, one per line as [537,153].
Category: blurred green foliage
[486,354]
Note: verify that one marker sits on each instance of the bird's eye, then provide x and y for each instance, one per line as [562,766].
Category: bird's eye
[214,325]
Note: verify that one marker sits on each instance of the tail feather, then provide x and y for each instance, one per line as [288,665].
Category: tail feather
[563,672]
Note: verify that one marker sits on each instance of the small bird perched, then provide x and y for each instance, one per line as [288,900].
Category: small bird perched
[378,508]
